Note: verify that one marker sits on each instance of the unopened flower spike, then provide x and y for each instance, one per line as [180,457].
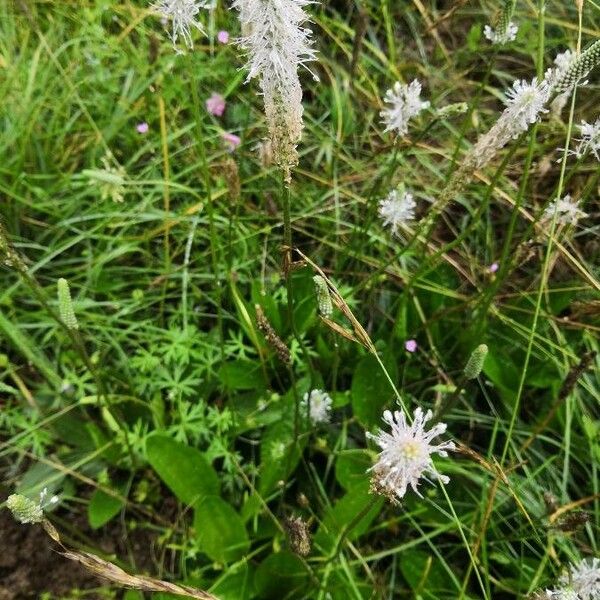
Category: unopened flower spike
[406,452]
[577,69]
[404,103]
[26,510]
[65,304]
[323,297]
[475,363]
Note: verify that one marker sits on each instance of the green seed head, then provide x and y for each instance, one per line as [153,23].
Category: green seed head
[24,510]
[475,362]
[65,305]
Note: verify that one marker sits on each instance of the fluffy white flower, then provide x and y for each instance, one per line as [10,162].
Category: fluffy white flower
[183,16]
[567,211]
[397,209]
[405,455]
[405,103]
[277,43]
[320,406]
[497,36]
[584,579]
[526,101]
[589,140]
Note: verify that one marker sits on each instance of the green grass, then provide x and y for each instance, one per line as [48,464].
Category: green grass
[164,286]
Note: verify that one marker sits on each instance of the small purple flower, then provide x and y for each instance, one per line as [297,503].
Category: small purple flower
[223,37]
[410,345]
[215,105]
[142,127]
[232,140]
[493,267]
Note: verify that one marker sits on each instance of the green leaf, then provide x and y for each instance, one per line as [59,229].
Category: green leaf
[351,467]
[241,375]
[102,508]
[279,455]
[371,392]
[281,575]
[423,572]
[235,584]
[220,531]
[344,511]
[184,470]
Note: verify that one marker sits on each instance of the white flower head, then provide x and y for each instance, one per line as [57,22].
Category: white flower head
[584,579]
[497,36]
[589,140]
[277,43]
[526,101]
[567,211]
[405,455]
[183,15]
[397,209]
[320,406]
[405,103]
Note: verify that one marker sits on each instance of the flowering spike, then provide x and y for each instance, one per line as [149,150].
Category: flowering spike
[589,140]
[405,103]
[566,209]
[405,455]
[525,103]
[583,579]
[277,43]
[183,14]
[397,209]
[317,405]
[65,305]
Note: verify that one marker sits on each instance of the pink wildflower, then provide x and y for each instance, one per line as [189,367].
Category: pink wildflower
[142,127]
[410,345]
[223,37]
[215,105]
[232,140]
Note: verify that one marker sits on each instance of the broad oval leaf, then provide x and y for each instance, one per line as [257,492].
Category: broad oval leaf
[183,469]
[220,531]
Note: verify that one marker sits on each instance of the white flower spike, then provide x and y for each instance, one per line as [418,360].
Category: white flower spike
[397,209]
[589,140]
[584,579]
[405,455]
[277,43]
[567,211]
[183,15]
[525,103]
[497,36]
[405,103]
[320,406]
